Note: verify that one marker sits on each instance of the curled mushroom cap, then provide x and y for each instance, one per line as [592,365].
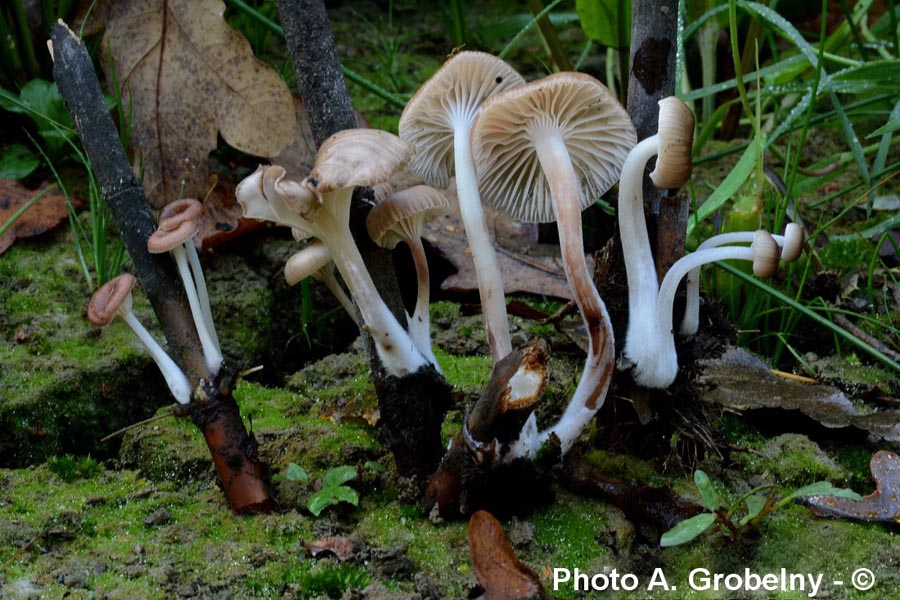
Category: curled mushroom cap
[793,242]
[306,262]
[765,254]
[107,300]
[164,240]
[676,136]
[402,216]
[174,213]
[455,91]
[355,157]
[596,131]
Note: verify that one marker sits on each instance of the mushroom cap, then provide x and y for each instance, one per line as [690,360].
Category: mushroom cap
[306,262]
[765,254]
[462,83]
[268,196]
[107,300]
[356,157]
[401,217]
[185,209]
[793,242]
[164,240]
[676,137]
[594,127]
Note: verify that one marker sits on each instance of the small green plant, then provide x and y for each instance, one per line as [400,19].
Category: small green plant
[333,581]
[333,490]
[69,468]
[744,514]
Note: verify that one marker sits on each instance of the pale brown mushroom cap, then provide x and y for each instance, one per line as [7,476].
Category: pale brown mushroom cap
[765,254]
[462,83]
[107,300]
[595,129]
[357,157]
[793,242]
[164,240]
[174,213]
[402,216]
[306,262]
[676,137]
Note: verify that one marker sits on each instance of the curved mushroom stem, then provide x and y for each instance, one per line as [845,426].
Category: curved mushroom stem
[642,336]
[326,276]
[595,378]
[202,291]
[175,378]
[211,352]
[690,321]
[660,372]
[420,321]
[395,347]
[487,270]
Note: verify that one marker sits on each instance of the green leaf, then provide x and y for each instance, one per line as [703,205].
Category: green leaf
[329,497]
[375,467]
[295,472]
[754,505]
[338,475]
[889,127]
[705,487]
[600,21]
[687,530]
[820,488]
[727,189]
[17,162]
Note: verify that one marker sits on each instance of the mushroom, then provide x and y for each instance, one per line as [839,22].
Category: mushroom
[791,244]
[673,167]
[661,369]
[171,215]
[438,120]
[402,217]
[545,151]
[320,207]
[114,299]
[315,261]
[173,236]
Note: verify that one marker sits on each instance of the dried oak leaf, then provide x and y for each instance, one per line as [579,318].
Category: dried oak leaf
[188,76]
[42,216]
[882,505]
[500,573]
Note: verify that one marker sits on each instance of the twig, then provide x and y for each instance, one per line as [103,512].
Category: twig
[844,322]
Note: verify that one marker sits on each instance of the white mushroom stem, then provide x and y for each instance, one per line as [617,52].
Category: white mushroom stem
[487,270]
[690,321]
[591,391]
[326,276]
[202,292]
[394,345]
[211,353]
[641,338]
[420,321]
[661,369]
[175,378]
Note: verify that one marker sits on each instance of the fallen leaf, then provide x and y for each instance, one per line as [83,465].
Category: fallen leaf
[188,77]
[499,572]
[739,381]
[341,547]
[42,216]
[882,505]
[222,217]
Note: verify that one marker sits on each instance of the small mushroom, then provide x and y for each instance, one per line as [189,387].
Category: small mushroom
[320,207]
[437,120]
[660,370]
[171,215]
[402,217]
[673,167]
[172,237]
[315,261]
[545,151]
[791,244]
[114,299]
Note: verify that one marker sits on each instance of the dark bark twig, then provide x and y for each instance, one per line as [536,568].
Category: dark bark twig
[213,410]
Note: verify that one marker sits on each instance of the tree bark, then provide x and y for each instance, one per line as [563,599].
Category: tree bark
[412,407]
[213,409]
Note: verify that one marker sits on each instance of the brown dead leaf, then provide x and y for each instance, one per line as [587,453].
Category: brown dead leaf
[500,573]
[189,77]
[44,215]
[341,547]
[882,505]
[526,266]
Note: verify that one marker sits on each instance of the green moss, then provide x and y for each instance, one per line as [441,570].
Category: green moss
[468,373]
